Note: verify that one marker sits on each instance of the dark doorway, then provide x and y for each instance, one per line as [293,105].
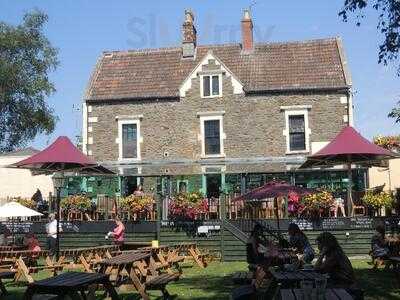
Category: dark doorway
[213,182]
[130,185]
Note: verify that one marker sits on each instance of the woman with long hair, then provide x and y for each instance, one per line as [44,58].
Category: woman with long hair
[333,261]
[299,241]
[379,246]
[256,239]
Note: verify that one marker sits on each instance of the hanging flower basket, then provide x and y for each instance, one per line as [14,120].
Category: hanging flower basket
[188,206]
[76,202]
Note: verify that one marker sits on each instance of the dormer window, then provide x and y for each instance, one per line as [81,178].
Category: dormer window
[211,86]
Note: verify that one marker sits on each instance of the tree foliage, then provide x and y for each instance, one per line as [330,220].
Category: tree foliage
[388,24]
[26,58]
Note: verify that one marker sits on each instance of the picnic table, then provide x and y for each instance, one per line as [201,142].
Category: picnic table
[330,294]
[141,271]
[290,279]
[76,285]
[134,245]
[190,250]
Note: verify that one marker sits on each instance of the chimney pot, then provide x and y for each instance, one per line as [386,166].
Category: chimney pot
[247,32]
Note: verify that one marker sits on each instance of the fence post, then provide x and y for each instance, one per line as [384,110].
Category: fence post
[222,218]
[158,220]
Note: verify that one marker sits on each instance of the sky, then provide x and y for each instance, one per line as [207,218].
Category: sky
[83,29]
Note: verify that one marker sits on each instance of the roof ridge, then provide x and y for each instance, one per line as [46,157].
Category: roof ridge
[177,48]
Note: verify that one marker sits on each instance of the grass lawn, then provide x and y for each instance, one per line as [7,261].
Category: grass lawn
[215,282]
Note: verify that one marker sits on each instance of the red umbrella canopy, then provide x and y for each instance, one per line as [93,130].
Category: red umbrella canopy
[348,147]
[274,189]
[61,155]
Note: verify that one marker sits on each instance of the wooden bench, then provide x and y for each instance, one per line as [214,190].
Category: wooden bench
[71,284]
[18,261]
[160,282]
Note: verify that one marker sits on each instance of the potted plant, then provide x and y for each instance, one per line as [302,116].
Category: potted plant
[79,203]
[317,204]
[25,202]
[391,142]
[188,206]
[140,206]
[376,201]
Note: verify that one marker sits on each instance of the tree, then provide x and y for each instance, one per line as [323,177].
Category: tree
[26,58]
[389,26]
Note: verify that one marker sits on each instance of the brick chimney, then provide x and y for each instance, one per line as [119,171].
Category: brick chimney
[189,38]
[247,32]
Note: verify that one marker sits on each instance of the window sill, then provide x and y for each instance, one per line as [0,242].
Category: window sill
[213,156]
[214,96]
[129,159]
[298,152]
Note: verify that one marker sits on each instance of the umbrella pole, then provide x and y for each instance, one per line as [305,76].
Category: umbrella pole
[58,224]
[349,188]
[277,213]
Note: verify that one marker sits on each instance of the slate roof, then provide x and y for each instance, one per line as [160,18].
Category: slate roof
[158,73]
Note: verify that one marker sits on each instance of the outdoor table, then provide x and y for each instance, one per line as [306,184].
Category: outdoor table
[290,279]
[190,249]
[134,245]
[141,271]
[5,275]
[72,284]
[330,294]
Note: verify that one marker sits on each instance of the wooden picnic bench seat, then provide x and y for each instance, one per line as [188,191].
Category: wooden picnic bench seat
[160,282]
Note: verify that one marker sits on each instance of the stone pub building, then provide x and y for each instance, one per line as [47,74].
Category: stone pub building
[218,118]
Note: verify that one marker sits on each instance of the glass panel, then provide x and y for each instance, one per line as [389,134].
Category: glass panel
[206,86]
[129,140]
[211,137]
[297,141]
[297,137]
[215,85]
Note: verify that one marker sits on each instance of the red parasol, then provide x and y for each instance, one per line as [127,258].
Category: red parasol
[347,148]
[61,156]
[274,189]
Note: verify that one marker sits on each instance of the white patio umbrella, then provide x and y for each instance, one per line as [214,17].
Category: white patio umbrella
[13,210]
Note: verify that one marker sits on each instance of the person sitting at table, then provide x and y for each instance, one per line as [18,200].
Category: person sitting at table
[118,233]
[379,245]
[299,241]
[4,235]
[254,243]
[32,243]
[139,191]
[334,262]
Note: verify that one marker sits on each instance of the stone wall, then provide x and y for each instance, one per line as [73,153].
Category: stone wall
[253,125]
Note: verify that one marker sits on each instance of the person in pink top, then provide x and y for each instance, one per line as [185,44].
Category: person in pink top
[119,232]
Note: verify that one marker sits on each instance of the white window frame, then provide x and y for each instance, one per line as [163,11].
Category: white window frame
[220,118]
[219,85]
[307,130]
[120,141]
